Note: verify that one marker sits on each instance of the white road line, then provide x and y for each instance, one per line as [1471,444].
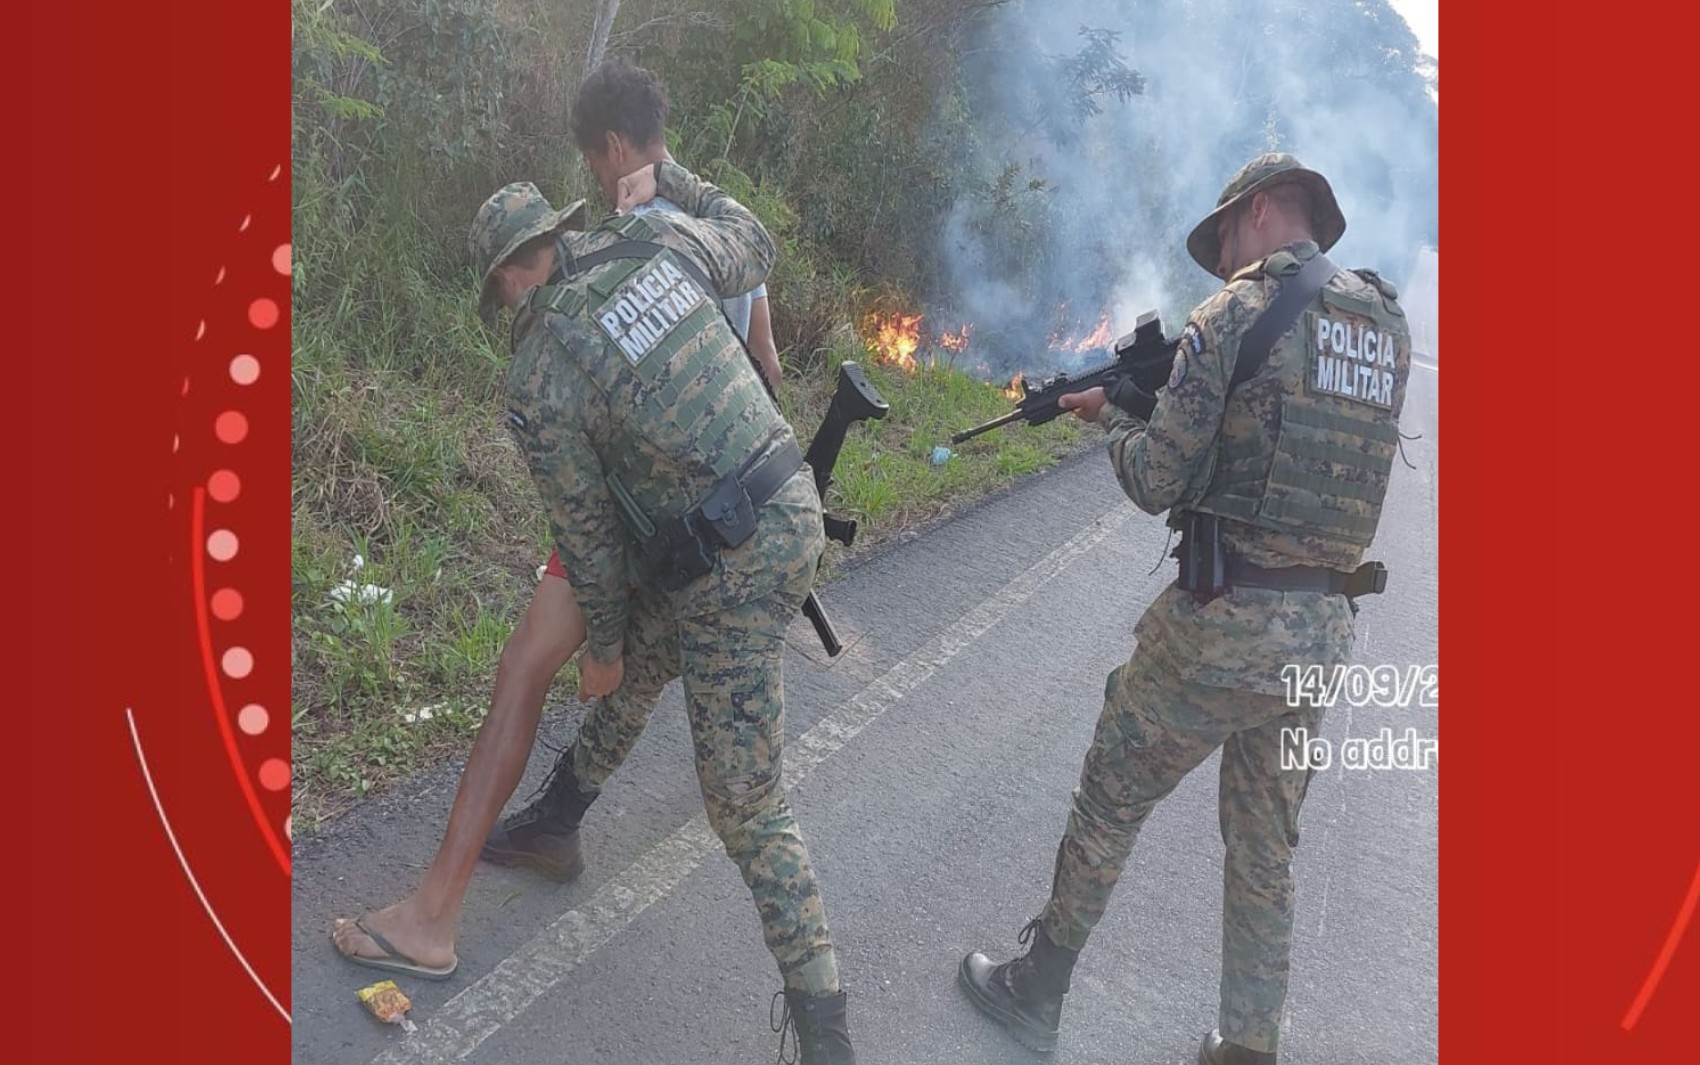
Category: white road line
[468,1019]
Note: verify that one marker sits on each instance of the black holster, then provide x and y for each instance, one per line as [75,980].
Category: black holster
[1204,570]
[677,555]
[684,549]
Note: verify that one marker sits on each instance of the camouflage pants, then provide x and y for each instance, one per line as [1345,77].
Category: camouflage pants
[730,662]
[1154,730]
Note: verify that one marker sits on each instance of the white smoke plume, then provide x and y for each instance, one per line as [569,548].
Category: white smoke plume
[1334,83]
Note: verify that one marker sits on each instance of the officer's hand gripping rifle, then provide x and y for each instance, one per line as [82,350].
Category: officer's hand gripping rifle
[854,400]
[1141,367]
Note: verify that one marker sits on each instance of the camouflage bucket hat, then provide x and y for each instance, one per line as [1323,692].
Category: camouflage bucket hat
[1275,168]
[512,215]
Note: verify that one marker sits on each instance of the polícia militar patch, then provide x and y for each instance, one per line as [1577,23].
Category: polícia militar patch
[647,307]
[1351,358]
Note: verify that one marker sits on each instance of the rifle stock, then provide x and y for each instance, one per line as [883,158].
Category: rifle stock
[854,400]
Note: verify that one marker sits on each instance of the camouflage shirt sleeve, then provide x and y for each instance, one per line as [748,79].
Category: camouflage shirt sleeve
[1157,461]
[722,235]
[556,413]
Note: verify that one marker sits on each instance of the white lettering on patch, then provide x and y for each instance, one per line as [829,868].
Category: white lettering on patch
[647,307]
[1346,361]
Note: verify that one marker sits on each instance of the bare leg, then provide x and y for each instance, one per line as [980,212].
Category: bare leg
[424,924]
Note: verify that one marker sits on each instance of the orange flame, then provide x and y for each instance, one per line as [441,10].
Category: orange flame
[1014,390]
[1093,341]
[957,341]
[893,338]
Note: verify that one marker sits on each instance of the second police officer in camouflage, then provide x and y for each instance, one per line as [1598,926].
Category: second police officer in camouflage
[680,504]
[1274,472]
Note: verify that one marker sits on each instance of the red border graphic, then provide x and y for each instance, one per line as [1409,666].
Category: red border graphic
[1666,952]
[144,137]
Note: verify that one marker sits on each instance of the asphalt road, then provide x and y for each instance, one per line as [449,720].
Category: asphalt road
[930,768]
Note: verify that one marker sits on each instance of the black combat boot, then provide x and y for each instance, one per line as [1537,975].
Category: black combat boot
[821,1035]
[1217,1051]
[1024,995]
[544,835]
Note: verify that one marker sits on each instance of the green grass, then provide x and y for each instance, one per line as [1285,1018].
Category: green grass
[885,477]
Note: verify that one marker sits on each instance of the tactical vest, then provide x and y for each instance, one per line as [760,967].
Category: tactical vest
[688,407]
[1317,474]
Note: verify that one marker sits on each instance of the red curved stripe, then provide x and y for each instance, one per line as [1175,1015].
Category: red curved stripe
[1649,985]
[198,571]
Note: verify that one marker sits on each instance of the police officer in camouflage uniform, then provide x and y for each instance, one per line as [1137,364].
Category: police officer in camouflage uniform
[1275,481]
[681,506]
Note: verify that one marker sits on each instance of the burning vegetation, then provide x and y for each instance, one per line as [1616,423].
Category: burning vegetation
[1098,339]
[957,341]
[901,339]
[893,339]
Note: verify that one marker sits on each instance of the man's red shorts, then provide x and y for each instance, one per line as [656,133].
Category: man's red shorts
[554,568]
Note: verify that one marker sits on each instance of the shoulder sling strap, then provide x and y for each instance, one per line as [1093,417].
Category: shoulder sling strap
[1273,323]
[1295,295]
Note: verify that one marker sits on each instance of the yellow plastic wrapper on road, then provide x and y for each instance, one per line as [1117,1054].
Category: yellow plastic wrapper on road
[386,1002]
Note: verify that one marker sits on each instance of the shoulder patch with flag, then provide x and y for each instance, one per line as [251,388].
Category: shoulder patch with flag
[1192,343]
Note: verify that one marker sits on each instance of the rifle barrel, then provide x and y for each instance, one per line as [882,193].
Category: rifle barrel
[1014,415]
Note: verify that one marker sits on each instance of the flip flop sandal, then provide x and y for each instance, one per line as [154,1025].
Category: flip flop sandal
[396,962]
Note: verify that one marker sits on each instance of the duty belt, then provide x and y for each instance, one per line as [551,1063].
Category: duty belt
[755,483]
[684,549]
[1368,579]
[1208,569]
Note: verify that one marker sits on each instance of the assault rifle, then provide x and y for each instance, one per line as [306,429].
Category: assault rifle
[855,399]
[1141,367]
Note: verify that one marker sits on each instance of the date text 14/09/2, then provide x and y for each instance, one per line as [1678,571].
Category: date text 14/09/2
[1355,685]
